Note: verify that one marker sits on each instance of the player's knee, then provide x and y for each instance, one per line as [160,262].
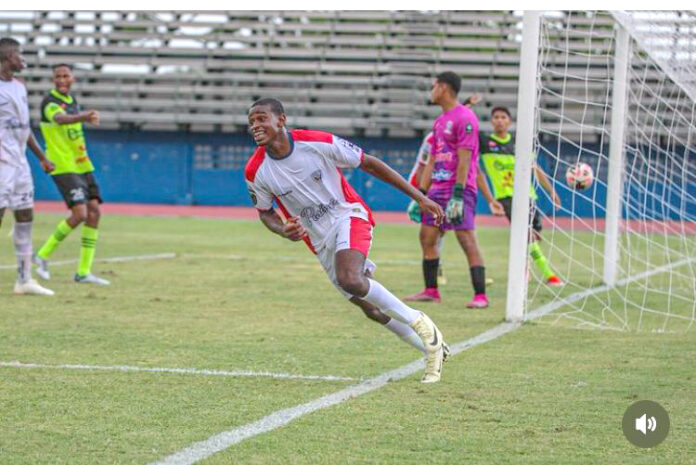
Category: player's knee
[79,214]
[353,283]
[93,215]
[24,216]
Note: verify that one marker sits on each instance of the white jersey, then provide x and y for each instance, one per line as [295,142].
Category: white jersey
[308,183]
[421,159]
[14,123]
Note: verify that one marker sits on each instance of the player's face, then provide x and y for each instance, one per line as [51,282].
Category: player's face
[14,59]
[436,92]
[264,125]
[63,79]
[500,121]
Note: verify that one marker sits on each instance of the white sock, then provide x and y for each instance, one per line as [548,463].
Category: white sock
[22,244]
[381,298]
[405,333]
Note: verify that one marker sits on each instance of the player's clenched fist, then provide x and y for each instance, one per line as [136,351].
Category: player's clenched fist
[428,206]
[293,229]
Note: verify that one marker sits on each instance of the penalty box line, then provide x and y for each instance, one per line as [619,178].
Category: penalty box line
[181,371]
[221,441]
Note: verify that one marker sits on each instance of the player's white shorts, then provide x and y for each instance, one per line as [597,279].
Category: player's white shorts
[16,187]
[349,233]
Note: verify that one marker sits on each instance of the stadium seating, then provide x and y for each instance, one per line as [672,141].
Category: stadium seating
[353,72]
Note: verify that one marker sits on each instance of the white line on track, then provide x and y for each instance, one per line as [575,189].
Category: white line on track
[127,258]
[219,442]
[181,371]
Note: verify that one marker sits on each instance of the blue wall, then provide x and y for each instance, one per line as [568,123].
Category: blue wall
[207,169]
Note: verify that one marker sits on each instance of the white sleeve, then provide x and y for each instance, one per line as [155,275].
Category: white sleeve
[424,152]
[345,154]
[260,197]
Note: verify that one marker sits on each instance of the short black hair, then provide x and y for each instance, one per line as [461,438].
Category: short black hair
[275,104]
[61,65]
[5,44]
[503,109]
[451,79]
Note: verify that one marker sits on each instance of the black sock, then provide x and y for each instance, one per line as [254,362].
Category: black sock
[478,279]
[430,272]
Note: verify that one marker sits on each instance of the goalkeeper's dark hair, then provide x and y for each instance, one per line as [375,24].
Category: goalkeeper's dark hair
[451,79]
[275,104]
[503,109]
[6,43]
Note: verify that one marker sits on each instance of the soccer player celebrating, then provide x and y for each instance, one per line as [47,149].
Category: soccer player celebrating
[498,159]
[450,178]
[61,126]
[300,170]
[16,184]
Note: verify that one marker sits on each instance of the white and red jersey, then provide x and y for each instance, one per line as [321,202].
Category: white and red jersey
[14,123]
[308,183]
[421,159]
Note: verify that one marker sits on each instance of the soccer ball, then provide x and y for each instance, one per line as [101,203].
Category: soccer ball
[579,176]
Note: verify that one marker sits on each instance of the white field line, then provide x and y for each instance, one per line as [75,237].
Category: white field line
[219,442]
[180,371]
[127,258]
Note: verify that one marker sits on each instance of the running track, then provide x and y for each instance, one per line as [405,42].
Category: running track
[578,224]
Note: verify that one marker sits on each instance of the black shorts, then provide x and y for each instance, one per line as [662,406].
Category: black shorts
[77,188]
[533,212]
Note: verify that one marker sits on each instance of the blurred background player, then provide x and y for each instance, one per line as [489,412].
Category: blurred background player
[498,160]
[450,179]
[16,184]
[300,171]
[61,126]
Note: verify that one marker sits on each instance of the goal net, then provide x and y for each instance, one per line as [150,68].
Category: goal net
[649,284]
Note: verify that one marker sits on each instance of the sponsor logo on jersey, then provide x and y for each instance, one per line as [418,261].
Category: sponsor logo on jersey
[442,175]
[350,145]
[448,127]
[254,199]
[443,157]
[15,123]
[316,212]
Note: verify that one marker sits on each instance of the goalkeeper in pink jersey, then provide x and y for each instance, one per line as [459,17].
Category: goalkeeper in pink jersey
[450,179]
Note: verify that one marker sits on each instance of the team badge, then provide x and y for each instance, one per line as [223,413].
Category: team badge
[469,128]
[316,175]
[448,127]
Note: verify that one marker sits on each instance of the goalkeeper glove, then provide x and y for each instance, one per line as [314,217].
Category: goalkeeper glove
[414,211]
[455,207]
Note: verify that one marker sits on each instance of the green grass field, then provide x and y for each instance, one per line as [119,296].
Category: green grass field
[236,297]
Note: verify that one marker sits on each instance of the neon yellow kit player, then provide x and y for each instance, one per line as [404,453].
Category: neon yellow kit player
[498,159]
[61,126]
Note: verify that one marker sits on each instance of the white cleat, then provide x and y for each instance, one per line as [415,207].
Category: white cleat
[91,279]
[434,346]
[31,287]
[41,267]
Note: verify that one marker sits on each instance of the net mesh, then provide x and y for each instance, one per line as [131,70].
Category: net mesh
[657,241]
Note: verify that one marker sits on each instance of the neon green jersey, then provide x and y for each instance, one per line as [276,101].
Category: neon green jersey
[65,143]
[498,158]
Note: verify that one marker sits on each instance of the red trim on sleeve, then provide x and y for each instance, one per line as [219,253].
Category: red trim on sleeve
[287,215]
[303,135]
[254,164]
[352,197]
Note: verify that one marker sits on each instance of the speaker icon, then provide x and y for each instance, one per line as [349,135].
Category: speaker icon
[644,424]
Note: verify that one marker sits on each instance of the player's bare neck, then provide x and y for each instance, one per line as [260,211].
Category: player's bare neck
[6,74]
[280,146]
[448,103]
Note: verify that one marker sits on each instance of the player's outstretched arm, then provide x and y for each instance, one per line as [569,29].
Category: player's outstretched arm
[546,184]
[291,229]
[38,151]
[90,116]
[495,206]
[382,171]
